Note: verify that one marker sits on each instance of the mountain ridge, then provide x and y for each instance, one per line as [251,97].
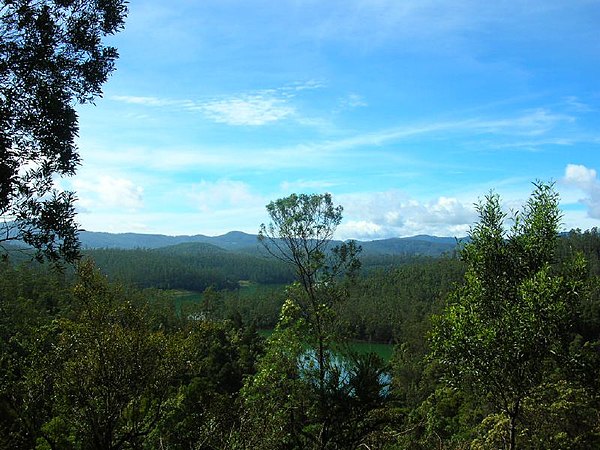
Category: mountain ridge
[244,242]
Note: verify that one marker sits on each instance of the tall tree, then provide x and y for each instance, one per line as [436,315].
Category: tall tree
[512,315]
[51,58]
[300,234]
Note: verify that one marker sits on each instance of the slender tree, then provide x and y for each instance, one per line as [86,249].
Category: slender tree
[300,234]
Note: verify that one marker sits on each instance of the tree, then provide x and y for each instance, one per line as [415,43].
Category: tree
[112,373]
[51,58]
[511,318]
[300,234]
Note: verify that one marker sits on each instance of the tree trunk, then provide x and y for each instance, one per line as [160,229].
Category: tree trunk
[513,415]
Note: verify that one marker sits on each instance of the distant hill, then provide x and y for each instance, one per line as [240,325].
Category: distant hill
[234,240]
[421,245]
[238,241]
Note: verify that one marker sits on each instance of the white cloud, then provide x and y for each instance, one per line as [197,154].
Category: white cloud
[352,101]
[245,109]
[530,123]
[144,101]
[306,185]
[250,110]
[573,103]
[581,176]
[256,108]
[586,180]
[307,85]
[392,213]
[108,192]
[579,219]
[359,229]
[224,194]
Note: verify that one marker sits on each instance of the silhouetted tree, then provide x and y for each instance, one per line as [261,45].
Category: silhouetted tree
[51,58]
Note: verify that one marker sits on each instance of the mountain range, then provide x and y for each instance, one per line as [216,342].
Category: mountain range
[238,241]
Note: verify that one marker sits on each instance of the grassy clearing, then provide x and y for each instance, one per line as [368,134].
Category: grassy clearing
[385,351]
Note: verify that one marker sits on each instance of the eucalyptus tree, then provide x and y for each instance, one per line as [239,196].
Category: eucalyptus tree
[300,233]
[511,317]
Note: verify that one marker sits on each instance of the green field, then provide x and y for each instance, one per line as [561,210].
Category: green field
[385,351]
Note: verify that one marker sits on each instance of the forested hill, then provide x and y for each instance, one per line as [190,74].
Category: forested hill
[197,262]
[422,245]
[234,240]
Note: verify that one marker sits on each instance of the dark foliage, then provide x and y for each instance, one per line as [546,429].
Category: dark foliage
[51,57]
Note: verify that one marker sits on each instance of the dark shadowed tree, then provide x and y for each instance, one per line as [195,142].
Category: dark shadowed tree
[51,58]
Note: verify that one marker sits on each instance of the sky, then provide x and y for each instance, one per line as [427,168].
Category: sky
[407,112]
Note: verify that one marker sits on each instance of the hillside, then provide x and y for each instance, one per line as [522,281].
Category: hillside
[234,240]
[238,241]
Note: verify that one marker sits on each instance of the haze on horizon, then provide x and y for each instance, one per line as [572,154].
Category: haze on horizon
[407,112]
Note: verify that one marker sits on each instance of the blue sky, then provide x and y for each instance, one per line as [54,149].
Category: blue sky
[406,111]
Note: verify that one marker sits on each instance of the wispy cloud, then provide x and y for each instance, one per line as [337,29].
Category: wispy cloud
[306,185]
[210,196]
[254,108]
[529,123]
[352,101]
[575,104]
[144,101]
[536,144]
[250,110]
[361,148]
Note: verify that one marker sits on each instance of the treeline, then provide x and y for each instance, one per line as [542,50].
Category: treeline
[88,363]
[384,304]
[192,267]
[198,266]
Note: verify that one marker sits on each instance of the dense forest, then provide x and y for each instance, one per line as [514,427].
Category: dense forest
[192,346]
[193,267]
[231,258]
[92,363]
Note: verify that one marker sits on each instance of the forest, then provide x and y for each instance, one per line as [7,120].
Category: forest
[495,345]
[91,362]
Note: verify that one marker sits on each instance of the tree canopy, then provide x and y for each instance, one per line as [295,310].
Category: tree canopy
[51,58]
[513,313]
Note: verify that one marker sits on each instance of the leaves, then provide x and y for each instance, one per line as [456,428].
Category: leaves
[51,57]
[514,311]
